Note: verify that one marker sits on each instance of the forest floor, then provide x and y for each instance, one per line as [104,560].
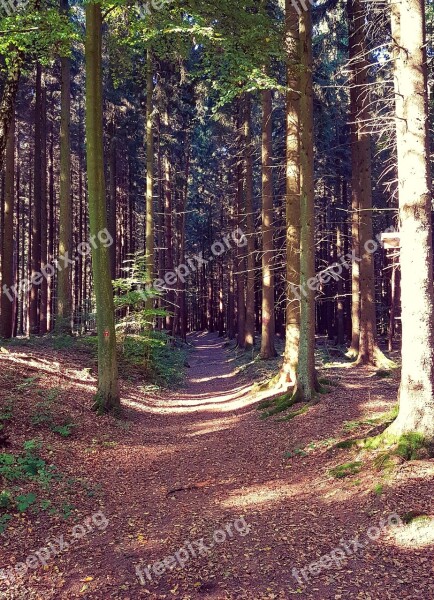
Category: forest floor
[196,479]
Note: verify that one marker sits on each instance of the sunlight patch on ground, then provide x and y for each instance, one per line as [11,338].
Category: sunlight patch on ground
[417,534]
[374,404]
[212,378]
[263,494]
[212,426]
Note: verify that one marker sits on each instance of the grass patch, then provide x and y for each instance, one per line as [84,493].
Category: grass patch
[378,489]
[346,470]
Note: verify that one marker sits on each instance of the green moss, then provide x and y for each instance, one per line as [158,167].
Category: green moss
[278,405]
[414,516]
[409,445]
[346,470]
[295,413]
[345,444]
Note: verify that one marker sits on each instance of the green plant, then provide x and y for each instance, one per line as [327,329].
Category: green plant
[4,519]
[26,466]
[6,412]
[295,452]
[5,499]
[24,501]
[346,470]
[64,430]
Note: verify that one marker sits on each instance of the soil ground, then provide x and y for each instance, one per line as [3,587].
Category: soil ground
[247,505]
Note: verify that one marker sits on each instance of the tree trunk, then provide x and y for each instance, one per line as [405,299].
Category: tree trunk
[368,351]
[292,327]
[240,261]
[267,338]
[250,227]
[7,104]
[44,217]
[36,210]
[416,399]
[353,350]
[107,398]
[150,226]
[8,301]
[63,316]
[306,377]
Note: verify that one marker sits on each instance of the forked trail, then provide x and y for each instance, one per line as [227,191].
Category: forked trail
[206,500]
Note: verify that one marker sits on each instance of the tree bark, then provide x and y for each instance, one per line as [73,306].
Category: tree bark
[150,225]
[416,399]
[36,210]
[292,327]
[306,377]
[107,398]
[63,316]
[8,302]
[250,227]
[7,104]
[268,326]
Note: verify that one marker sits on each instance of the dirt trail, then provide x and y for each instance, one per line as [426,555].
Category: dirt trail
[200,481]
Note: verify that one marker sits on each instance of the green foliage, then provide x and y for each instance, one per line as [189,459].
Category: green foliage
[5,499]
[6,411]
[63,430]
[295,452]
[29,465]
[40,34]
[346,470]
[24,501]
[4,519]
[132,294]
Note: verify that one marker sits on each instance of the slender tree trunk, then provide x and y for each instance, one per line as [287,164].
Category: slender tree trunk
[112,200]
[240,262]
[368,350]
[416,401]
[268,326]
[36,210]
[63,309]
[107,399]
[292,327]
[44,217]
[306,377]
[7,103]
[168,207]
[150,224]
[8,300]
[250,227]
[353,350]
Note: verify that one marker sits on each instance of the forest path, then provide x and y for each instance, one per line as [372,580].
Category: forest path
[217,503]
[209,464]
